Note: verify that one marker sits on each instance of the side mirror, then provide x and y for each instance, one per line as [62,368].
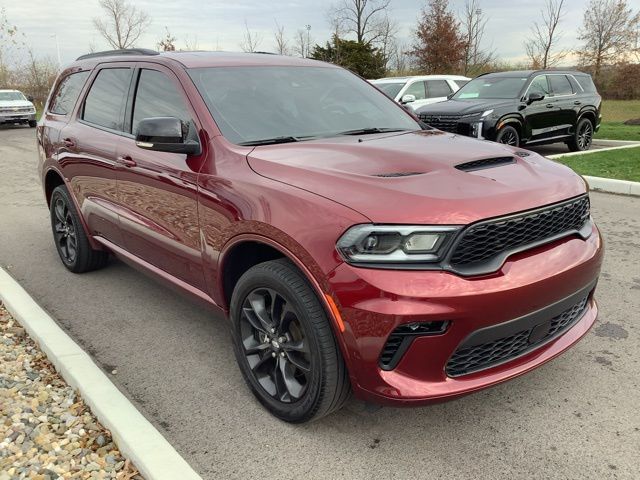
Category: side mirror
[30,98]
[534,97]
[165,134]
[407,99]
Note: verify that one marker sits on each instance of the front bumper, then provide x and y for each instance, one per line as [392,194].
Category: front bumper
[17,117]
[375,302]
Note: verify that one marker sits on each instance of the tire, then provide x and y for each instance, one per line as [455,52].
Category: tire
[582,137]
[292,365]
[508,136]
[33,123]
[69,236]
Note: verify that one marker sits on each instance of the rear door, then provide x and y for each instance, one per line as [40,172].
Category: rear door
[566,102]
[158,190]
[89,152]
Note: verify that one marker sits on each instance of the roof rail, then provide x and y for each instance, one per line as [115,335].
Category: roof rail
[110,53]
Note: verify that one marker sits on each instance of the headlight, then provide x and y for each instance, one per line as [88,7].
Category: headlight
[395,243]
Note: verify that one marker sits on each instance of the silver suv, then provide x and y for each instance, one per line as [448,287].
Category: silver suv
[16,108]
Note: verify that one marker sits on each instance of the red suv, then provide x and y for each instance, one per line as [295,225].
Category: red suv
[351,247]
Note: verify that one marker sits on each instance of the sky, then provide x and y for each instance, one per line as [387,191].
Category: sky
[219,25]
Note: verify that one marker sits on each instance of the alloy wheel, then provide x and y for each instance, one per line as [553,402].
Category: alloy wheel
[65,231]
[275,345]
[509,138]
[585,135]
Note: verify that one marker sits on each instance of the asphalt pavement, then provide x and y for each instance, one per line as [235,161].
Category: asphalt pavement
[577,417]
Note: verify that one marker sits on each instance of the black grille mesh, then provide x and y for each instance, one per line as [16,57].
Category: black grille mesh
[483,241]
[448,123]
[486,355]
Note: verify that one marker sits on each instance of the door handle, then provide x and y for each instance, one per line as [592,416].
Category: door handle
[127,161]
[549,105]
[577,102]
[67,142]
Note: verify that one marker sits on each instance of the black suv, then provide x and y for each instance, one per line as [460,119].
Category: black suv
[522,107]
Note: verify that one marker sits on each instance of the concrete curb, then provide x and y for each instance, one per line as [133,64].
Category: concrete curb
[135,436]
[588,152]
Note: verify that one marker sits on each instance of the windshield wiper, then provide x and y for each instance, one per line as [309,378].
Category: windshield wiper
[372,130]
[270,141]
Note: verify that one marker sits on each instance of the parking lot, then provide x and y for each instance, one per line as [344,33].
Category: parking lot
[576,417]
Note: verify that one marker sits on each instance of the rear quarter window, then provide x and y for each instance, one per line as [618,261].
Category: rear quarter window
[66,95]
[105,101]
[586,83]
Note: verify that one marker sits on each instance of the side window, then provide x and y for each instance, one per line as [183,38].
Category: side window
[64,99]
[416,89]
[106,98]
[540,85]
[157,96]
[437,88]
[560,85]
[461,83]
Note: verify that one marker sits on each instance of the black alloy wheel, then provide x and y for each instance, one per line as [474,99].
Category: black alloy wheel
[70,238]
[284,344]
[275,345]
[508,136]
[583,136]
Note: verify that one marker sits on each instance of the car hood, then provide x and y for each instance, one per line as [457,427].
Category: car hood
[411,178]
[462,107]
[15,103]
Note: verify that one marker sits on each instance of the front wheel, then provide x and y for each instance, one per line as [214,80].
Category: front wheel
[33,123]
[583,136]
[284,344]
[509,136]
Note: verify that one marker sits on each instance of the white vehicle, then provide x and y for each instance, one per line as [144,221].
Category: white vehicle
[16,108]
[415,92]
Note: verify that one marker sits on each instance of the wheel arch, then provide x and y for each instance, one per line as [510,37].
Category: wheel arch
[511,121]
[232,265]
[589,114]
[52,179]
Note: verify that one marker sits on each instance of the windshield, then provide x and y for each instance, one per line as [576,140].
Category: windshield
[8,96]
[390,89]
[251,104]
[492,87]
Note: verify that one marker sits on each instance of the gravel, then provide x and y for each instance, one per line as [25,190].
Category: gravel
[46,430]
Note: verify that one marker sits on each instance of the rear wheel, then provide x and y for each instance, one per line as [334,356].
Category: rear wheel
[509,136]
[68,233]
[284,344]
[583,136]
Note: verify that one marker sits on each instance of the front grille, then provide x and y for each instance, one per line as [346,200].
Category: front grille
[489,354]
[448,123]
[16,110]
[487,240]
[485,163]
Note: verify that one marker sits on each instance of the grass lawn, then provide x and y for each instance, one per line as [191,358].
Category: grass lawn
[614,113]
[623,164]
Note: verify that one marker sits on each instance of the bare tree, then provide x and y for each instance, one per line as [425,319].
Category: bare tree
[191,44]
[282,45]
[12,43]
[168,42]
[37,76]
[545,36]
[399,60]
[473,23]
[302,43]
[387,39]
[364,18]
[609,30]
[122,23]
[251,40]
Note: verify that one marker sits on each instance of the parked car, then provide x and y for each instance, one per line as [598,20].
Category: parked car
[350,249]
[16,108]
[418,91]
[522,108]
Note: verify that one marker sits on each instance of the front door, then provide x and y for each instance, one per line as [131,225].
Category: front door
[158,190]
[540,116]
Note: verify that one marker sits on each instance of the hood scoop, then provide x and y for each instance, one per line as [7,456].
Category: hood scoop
[485,163]
[397,174]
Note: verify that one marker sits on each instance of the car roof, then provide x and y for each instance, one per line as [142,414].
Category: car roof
[528,73]
[197,59]
[9,90]
[420,77]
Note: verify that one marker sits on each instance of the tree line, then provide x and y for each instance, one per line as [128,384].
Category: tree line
[365,38]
